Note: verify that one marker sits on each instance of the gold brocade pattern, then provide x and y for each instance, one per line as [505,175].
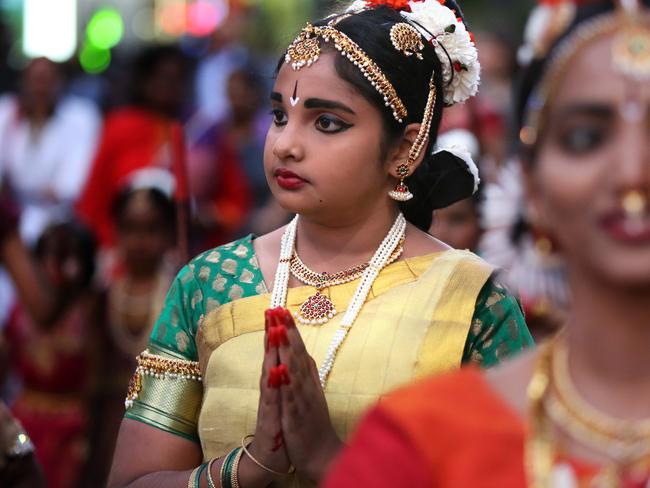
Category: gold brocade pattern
[405,330]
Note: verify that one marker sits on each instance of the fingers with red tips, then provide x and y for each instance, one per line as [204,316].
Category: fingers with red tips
[278,376]
[277,336]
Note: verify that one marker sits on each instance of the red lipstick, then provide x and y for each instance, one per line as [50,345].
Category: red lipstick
[288,180]
[634,231]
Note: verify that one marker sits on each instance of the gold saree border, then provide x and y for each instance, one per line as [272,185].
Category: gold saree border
[159,397]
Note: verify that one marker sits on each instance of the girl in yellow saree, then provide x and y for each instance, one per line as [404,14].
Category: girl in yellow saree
[337,157]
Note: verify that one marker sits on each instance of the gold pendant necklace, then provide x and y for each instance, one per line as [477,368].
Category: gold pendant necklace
[318,309]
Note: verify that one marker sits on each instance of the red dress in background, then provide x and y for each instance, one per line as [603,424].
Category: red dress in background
[133,139]
[55,368]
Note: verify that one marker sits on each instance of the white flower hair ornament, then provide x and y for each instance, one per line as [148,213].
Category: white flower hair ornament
[447,33]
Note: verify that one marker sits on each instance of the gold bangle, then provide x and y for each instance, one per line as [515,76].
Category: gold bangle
[209,475]
[190,482]
[234,475]
[269,470]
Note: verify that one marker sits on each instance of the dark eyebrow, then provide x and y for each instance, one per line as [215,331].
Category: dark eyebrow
[276,97]
[330,104]
[587,109]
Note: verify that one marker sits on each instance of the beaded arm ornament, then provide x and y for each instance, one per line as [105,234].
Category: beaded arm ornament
[161,368]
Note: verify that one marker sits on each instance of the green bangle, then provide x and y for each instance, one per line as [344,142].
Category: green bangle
[226,469]
[197,480]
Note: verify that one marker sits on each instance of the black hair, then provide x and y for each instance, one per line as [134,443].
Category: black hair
[441,179]
[161,203]
[75,236]
[532,75]
[144,64]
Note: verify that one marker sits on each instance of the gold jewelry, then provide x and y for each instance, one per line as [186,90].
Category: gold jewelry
[401,193]
[630,56]
[552,398]
[305,50]
[209,473]
[193,474]
[268,470]
[634,203]
[234,475]
[161,368]
[318,309]
[407,40]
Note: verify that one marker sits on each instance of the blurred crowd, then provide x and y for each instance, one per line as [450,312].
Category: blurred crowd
[109,185]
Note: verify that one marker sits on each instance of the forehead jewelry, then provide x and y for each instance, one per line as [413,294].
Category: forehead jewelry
[631,47]
[630,56]
[305,50]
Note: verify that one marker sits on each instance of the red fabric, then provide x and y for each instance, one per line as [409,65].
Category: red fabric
[449,432]
[379,455]
[218,181]
[452,431]
[132,139]
[54,367]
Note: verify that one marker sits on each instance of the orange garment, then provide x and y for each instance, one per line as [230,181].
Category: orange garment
[448,432]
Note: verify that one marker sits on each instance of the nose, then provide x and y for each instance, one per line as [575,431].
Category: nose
[633,166]
[288,145]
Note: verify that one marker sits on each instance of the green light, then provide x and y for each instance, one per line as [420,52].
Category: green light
[94,60]
[105,28]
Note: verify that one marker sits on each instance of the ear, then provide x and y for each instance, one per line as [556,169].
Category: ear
[400,154]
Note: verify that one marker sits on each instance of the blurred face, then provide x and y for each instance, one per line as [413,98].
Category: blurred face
[165,87]
[41,82]
[243,96]
[457,225]
[322,153]
[595,152]
[61,261]
[143,236]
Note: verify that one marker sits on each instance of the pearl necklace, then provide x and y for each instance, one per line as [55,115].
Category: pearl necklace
[378,262]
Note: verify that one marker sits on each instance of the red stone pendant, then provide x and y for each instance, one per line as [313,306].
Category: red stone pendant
[317,310]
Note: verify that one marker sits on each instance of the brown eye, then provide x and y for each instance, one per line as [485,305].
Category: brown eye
[582,139]
[331,125]
[279,117]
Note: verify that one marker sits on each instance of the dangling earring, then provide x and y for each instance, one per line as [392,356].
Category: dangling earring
[401,193]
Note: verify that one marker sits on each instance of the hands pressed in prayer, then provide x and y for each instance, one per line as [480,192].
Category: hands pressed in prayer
[292,397]
[268,447]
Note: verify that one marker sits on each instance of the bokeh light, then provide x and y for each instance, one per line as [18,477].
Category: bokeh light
[202,18]
[94,60]
[173,19]
[105,28]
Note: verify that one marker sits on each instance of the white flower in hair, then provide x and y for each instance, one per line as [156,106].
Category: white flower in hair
[453,44]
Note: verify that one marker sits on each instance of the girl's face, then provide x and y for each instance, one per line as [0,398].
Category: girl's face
[143,236]
[322,156]
[595,152]
[457,225]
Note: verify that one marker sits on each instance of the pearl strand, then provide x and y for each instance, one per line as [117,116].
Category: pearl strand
[378,262]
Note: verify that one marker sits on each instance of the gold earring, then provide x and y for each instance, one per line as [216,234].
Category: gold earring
[401,193]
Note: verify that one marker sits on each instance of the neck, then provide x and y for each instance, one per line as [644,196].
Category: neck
[342,244]
[608,340]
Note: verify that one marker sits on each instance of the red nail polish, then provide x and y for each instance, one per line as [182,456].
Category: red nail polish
[287,319]
[277,336]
